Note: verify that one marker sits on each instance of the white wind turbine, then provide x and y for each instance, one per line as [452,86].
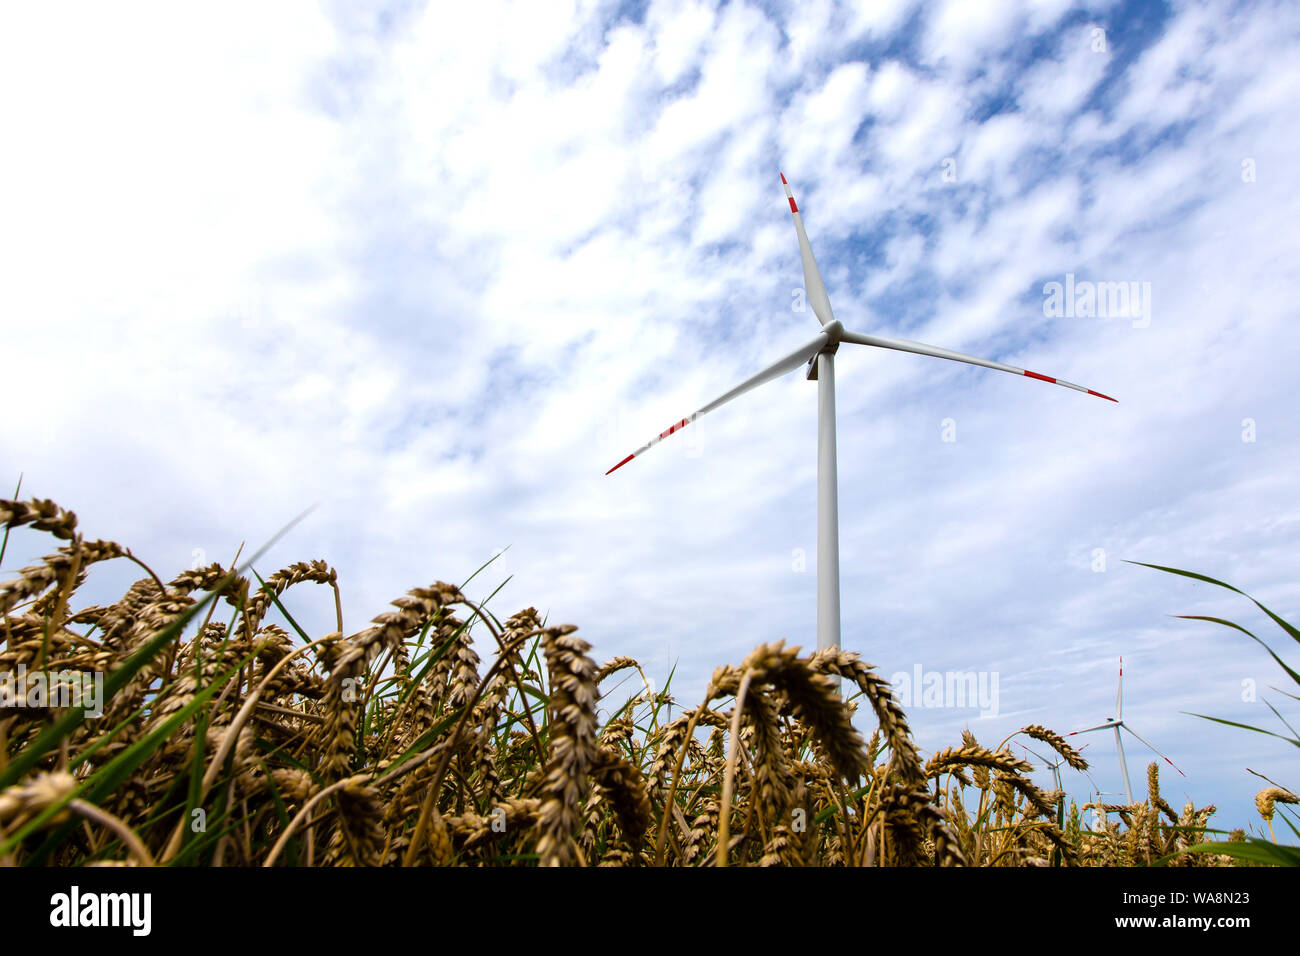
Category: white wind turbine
[1116,723]
[1055,767]
[820,356]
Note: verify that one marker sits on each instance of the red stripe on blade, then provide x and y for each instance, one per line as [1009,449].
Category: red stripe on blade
[682,424]
[793,207]
[1041,378]
[783,178]
[620,464]
[1107,397]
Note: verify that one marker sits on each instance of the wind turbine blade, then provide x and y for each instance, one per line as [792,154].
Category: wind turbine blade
[1105,726]
[1123,764]
[812,277]
[1035,753]
[1119,694]
[1152,749]
[905,345]
[788,364]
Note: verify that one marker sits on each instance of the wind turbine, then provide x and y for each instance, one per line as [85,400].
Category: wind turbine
[819,354]
[1054,767]
[1116,723]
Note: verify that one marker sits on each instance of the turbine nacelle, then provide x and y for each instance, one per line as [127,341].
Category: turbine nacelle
[834,330]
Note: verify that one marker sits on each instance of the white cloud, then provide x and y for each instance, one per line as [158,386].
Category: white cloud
[680,30]
[1057,87]
[961,33]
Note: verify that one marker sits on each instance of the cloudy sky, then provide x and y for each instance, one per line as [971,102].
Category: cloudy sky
[436,269]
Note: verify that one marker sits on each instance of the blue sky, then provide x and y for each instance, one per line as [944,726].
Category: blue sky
[437,270]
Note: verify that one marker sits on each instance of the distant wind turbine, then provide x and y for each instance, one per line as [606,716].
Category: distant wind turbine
[1054,766]
[819,354]
[1117,723]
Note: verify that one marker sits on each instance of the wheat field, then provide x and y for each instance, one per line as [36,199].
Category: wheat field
[251,743]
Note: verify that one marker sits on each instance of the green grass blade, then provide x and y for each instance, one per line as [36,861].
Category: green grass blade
[110,776]
[1253,850]
[56,732]
[1233,723]
[1237,627]
[5,543]
[1289,628]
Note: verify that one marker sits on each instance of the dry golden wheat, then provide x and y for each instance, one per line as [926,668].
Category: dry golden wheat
[400,744]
